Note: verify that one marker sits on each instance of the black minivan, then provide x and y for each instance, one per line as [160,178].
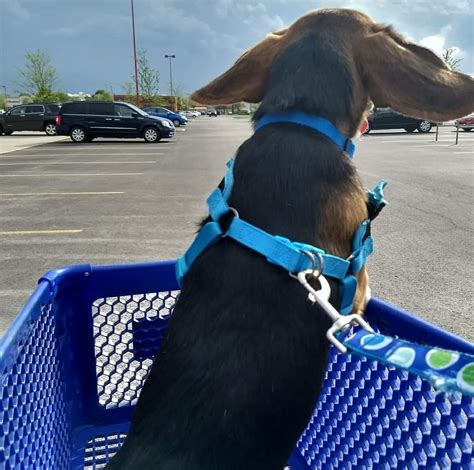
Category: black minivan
[85,120]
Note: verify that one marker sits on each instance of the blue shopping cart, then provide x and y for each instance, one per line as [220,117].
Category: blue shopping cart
[73,362]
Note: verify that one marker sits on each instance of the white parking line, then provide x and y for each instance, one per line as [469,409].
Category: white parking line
[471,152]
[420,140]
[83,193]
[75,163]
[71,174]
[40,232]
[433,145]
[413,139]
[151,154]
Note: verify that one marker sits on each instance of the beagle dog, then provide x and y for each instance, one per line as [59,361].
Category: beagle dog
[243,360]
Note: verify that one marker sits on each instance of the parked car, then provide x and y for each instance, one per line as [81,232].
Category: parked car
[211,112]
[386,118]
[189,113]
[30,117]
[175,118]
[85,120]
[465,123]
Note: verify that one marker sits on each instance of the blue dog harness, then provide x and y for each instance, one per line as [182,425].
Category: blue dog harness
[302,260]
[292,256]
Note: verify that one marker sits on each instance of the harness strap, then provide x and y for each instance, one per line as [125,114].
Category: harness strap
[375,200]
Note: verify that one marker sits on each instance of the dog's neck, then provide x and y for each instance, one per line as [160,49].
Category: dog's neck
[314,77]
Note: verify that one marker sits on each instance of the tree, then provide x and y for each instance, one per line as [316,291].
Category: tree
[182,101]
[39,76]
[102,95]
[3,102]
[148,78]
[448,57]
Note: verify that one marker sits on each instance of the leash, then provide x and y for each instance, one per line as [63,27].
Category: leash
[446,370]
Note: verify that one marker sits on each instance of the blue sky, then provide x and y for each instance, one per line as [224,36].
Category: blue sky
[89,41]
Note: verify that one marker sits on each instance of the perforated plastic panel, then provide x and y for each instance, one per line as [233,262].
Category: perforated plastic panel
[127,332]
[34,429]
[101,449]
[370,416]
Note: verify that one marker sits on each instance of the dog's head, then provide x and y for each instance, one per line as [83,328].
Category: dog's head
[368,61]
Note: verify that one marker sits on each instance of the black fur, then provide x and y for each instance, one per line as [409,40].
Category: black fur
[241,366]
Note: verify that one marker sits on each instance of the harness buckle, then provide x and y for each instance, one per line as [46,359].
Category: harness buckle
[341,323]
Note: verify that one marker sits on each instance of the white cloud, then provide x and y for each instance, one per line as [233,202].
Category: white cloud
[437,42]
[16,9]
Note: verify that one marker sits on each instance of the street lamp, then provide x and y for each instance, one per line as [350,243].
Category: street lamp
[137,95]
[170,56]
[4,90]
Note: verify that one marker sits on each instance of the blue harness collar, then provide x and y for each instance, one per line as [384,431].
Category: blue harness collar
[294,257]
[319,124]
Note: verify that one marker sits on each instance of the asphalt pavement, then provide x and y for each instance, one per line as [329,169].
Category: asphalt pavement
[122,201]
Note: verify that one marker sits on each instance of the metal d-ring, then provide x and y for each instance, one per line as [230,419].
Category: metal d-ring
[236,214]
[234,211]
[317,269]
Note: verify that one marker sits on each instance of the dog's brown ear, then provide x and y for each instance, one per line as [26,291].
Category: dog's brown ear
[413,80]
[246,79]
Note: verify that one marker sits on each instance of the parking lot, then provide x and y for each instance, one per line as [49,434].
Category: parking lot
[122,201]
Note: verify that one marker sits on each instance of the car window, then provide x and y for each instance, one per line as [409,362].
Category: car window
[102,109]
[161,110]
[123,110]
[34,109]
[53,108]
[75,108]
[19,110]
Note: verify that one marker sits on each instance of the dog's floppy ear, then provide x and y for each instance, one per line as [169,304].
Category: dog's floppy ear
[413,80]
[246,79]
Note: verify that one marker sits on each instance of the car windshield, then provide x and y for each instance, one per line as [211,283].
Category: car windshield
[138,110]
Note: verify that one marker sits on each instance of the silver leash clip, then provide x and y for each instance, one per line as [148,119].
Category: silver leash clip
[321,296]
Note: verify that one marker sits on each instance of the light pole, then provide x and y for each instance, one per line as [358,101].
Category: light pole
[170,56]
[137,91]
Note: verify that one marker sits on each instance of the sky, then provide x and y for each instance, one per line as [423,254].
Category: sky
[90,41]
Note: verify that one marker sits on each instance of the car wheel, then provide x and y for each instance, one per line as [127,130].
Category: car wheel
[8,132]
[410,129]
[151,135]
[50,128]
[424,126]
[78,135]
[176,122]
[467,129]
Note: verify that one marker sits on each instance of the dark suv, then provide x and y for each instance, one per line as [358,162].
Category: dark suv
[386,118]
[85,120]
[30,117]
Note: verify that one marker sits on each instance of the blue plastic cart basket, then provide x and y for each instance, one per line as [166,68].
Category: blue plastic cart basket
[73,362]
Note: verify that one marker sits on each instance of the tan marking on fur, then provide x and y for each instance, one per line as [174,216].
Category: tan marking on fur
[343,215]
[359,299]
